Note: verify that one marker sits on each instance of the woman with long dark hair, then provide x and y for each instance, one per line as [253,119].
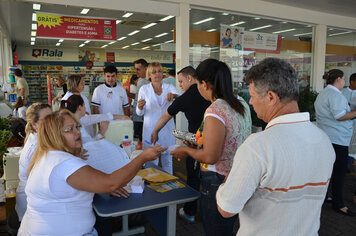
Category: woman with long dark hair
[226,124]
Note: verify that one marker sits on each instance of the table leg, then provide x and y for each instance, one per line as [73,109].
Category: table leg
[171,220]
[163,219]
[125,228]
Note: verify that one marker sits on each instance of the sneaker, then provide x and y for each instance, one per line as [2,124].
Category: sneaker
[189,219]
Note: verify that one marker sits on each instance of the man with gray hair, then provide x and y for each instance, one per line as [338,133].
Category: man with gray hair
[280,176]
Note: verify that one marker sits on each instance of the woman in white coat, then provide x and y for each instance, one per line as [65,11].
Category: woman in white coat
[35,114]
[153,101]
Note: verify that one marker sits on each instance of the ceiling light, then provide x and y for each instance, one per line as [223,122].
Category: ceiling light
[33,39]
[61,40]
[302,34]
[127,15]
[32,43]
[257,18]
[125,46]
[309,26]
[104,46]
[145,40]
[169,41]
[85,11]
[133,44]
[347,32]
[211,30]
[166,18]
[34,17]
[122,38]
[36,7]
[145,48]
[284,22]
[225,14]
[33,33]
[82,45]
[262,27]
[283,31]
[149,25]
[331,28]
[57,44]
[118,21]
[238,23]
[133,32]
[34,26]
[203,21]
[160,35]
[156,45]
[112,42]
[88,41]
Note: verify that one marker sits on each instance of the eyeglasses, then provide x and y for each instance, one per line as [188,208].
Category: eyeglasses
[71,129]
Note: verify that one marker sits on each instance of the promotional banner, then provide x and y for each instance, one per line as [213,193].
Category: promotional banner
[51,25]
[262,42]
[231,51]
[110,57]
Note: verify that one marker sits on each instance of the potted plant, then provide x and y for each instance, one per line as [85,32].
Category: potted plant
[5,136]
[306,102]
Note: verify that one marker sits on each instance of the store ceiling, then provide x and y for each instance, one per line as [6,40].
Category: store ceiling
[18,18]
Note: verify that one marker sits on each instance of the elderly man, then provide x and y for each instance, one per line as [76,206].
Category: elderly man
[280,176]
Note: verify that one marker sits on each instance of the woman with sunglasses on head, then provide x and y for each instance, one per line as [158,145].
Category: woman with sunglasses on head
[61,185]
[35,114]
[226,125]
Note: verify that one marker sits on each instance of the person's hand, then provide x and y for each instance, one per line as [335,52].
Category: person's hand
[151,153]
[55,99]
[179,153]
[189,144]
[120,192]
[121,117]
[103,127]
[83,154]
[170,97]
[154,137]
[141,103]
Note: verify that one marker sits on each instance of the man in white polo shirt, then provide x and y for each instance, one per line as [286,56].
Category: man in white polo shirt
[111,96]
[279,176]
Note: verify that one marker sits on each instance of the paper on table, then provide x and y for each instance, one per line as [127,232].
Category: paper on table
[136,185]
[105,156]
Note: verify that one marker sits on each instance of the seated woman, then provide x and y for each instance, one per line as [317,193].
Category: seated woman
[61,185]
[35,114]
[20,109]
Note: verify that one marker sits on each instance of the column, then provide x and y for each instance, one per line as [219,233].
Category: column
[318,51]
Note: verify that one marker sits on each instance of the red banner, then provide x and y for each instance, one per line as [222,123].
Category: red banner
[68,27]
[110,57]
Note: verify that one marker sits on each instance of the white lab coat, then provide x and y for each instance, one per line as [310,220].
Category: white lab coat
[154,108]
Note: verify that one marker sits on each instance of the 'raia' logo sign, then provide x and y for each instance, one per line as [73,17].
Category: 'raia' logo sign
[46,53]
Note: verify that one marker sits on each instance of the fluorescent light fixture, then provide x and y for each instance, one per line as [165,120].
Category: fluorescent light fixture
[145,48]
[302,34]
[36,7]
[127,15]
[166,18]
[34,17]
[34,26]
[211,30]
[33,33]
[32,43]
[257,18]
[88,41]
[283,31]
[347,32]
[133,32]
[85,11]
[33,39]
[145,40]
[133,44]
[112,42]
[331,28]
[284,22]
[57,44]
[225,14]
[169,41]
[156,45]
[309,26]
[160,35]
[203,21]
[238,23]
[104,46]
[149,25]
[118,21]
[261,27]
[81,45]
[61,40]
[125,46]
[122,38]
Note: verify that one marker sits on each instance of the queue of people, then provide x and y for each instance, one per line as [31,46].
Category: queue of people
[275,181]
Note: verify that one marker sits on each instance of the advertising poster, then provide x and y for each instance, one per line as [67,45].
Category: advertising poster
[88,55]
[110,57]
[262,42]
[231,51]
[51,25]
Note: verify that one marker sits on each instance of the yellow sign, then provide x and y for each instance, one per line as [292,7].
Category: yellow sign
[48,20]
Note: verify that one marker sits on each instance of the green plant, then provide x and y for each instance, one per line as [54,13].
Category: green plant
[5,136]
[306,102]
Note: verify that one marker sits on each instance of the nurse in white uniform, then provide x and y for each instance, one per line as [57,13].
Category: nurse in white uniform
[35,114]
[153,101]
